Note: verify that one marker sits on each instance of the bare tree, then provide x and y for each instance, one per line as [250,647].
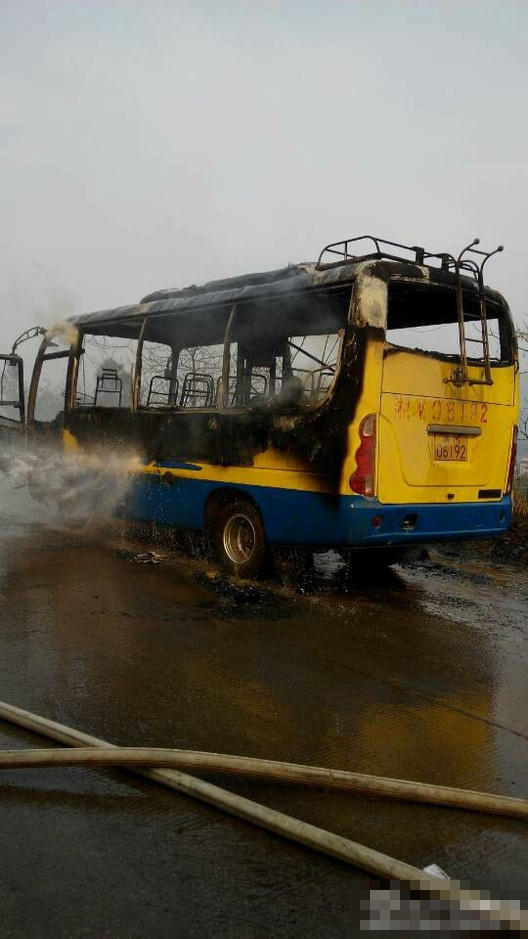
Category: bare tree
[522,340]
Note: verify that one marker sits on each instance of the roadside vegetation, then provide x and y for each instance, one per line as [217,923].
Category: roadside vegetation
[514,545]
[520,495]
[522,340]
[511,548]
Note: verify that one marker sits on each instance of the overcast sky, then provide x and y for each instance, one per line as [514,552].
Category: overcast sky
[147,144]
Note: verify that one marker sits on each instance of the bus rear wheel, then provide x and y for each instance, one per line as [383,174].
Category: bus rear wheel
[239,539]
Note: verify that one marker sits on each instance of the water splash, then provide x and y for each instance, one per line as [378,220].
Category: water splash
[43,483]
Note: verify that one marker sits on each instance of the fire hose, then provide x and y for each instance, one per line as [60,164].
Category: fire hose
[92,751]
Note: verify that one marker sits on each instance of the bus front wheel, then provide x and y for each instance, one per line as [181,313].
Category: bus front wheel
[238,537]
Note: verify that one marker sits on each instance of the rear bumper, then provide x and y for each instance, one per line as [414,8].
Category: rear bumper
[372,523]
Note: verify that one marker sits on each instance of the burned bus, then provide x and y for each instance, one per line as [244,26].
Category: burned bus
[366,402]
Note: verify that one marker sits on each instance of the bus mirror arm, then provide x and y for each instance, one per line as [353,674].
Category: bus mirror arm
[29,334]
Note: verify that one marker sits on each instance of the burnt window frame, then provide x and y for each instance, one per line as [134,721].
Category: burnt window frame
[230,312]
[137,326]
[177,349]
[504,319]
[347,290]
[106,328]
[14,360]
[41,357]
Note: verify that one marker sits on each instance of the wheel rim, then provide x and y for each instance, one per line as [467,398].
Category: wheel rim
[239,538]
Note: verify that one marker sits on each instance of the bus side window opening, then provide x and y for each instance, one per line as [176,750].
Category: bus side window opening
[267,353]
[11,389]
[198,373]
[50,375]
[182,361]
[159,385]
[286,354]
[106,368]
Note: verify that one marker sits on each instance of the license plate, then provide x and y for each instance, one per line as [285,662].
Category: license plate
[450,448]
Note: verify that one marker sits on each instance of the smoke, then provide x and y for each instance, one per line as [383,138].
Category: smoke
[74,488]
[63,330]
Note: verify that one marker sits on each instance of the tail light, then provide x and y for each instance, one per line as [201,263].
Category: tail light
[363,479]
[513,457]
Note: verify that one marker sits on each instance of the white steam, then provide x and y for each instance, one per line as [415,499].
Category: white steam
[76,488]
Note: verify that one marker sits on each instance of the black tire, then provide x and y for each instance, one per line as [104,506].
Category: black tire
[238,538]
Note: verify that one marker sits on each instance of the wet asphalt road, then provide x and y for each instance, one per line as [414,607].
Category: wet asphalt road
[418,674]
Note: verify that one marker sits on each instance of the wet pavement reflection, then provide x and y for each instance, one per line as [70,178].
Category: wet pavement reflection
[416,673]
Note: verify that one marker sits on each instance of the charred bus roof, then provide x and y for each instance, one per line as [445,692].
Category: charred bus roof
[296,278]
[383,262]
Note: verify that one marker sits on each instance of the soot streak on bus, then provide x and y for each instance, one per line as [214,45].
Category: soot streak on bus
[315,434]
[318,435]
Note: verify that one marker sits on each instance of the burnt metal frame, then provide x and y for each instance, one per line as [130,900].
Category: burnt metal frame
[219,402]
[108,375]
[77,351]
[31,333]
[43,356]
[340,248]
[478,272]
[309,355]
[460,375]
[170,371]
[189,390]
[163,394]
[448,261]
[17,360]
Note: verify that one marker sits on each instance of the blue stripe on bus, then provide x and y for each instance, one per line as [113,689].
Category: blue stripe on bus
[178,464]
[294,516]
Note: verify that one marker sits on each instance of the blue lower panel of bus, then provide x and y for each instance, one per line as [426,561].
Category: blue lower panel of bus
[294,516]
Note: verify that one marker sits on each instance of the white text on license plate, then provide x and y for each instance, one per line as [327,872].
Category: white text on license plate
[450,448]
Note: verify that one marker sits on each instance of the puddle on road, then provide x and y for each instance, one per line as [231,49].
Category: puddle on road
[332,669]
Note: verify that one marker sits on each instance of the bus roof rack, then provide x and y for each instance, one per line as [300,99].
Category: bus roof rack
[343,252]
[382,248]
